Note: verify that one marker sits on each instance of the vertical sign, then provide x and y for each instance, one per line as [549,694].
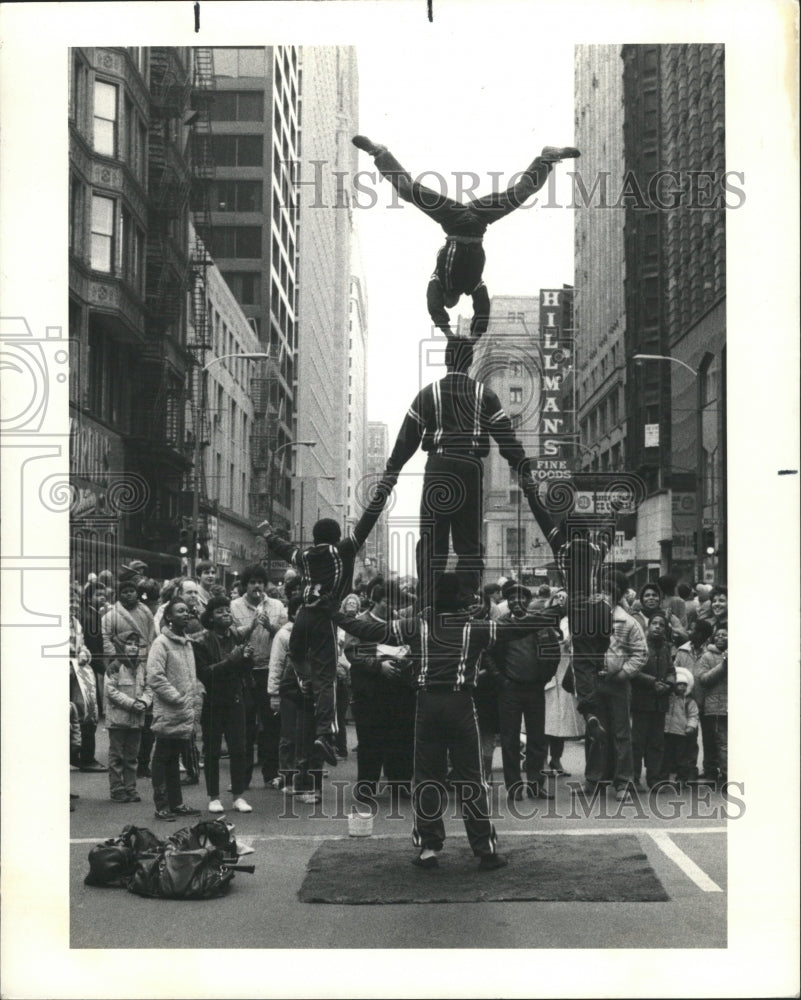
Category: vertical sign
[557,414]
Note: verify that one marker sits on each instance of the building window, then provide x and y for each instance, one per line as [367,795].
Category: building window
[102,233]
[105,118]
[239,62]
[238,241]
[246,286]
[236,196]
[238,106]
[515,419]
[237,150]
[516,395]
[516,368]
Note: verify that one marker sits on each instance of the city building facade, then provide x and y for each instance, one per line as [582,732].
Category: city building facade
[128,272]
[331,390]
[376,547]
[650,297]
[254,216]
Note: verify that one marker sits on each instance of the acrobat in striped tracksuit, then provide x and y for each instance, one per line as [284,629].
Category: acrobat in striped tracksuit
[446,647]
[460,262]
[327,576]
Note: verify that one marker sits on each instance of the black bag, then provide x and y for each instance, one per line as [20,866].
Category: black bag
[569,680]
[111,865]
[175,874]
[207,833]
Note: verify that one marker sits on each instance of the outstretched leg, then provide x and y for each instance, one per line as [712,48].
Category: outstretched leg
[481,311]
[495,206]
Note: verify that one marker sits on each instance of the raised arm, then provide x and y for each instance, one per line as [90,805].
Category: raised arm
[379,632]
[289,551]
[409,437]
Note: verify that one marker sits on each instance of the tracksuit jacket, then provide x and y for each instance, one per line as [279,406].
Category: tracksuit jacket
[446,647]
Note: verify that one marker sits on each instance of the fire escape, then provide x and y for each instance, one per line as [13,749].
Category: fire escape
[201,259]
[167,265]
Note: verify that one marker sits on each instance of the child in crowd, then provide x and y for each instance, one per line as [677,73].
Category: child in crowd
[681,731]
[713,676]
[127,700]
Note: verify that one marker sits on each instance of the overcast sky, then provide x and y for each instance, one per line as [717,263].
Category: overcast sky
[460,109]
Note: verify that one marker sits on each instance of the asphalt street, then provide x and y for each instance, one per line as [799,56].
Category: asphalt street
[684,840]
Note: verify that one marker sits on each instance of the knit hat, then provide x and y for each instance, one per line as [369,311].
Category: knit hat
[121,640]
[684,676]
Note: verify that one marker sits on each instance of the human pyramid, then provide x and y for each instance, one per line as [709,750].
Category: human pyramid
[452,420]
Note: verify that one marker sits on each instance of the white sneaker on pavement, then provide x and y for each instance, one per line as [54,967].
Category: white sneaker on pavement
[215,806]
[241,806]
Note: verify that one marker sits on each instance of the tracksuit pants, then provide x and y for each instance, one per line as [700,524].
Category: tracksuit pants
[450,509]
[446,725]
[314,651]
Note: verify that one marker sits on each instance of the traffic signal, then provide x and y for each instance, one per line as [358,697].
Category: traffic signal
[709,541]
[184,541]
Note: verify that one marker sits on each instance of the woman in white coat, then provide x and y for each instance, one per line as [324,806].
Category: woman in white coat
[562,719]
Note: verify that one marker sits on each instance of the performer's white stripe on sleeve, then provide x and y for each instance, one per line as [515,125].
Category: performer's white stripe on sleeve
[477,414]
[437,414]
[462,669]
[415,415]
[498,415]
[424,651]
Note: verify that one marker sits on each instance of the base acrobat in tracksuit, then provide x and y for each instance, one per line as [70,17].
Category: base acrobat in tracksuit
[460,262]
[327,576]
[452,420]
[445,649]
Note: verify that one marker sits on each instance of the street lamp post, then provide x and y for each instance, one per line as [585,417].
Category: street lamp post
[699,454]
[250,356]
[278,450]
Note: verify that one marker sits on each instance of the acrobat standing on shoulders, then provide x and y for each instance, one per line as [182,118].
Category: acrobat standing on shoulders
[460,262]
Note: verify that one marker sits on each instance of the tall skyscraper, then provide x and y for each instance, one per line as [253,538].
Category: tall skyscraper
[254,214]
[377,545]
[600,310]
[330,404]
[661,293]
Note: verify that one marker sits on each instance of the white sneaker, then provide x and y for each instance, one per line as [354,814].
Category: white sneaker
[215,806]
[241,806]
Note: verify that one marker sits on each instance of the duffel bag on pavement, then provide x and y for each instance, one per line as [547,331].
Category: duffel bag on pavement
[175,874]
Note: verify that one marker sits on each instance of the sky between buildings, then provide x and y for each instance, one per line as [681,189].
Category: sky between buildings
[465,108]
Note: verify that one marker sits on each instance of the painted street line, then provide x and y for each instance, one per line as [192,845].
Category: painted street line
[687,865]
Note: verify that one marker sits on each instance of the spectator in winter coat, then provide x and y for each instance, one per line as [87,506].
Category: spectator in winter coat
[719,606]
[177,701]
[258,618]
[713,678]
[609,757]
[671,603]
[526,665]
[651,600]
[383,708]
[681,730]
[650,691]
[83,694]
[562,718]
[223,661]
[127,700]
[687,658]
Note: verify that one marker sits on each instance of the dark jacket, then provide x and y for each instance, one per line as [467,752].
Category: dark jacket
[531,660]
[659,667]
[367,682]
[221,668]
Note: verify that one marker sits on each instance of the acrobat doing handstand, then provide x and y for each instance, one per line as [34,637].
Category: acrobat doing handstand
[460,262]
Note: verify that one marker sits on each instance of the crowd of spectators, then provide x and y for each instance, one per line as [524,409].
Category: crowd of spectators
[168,667]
